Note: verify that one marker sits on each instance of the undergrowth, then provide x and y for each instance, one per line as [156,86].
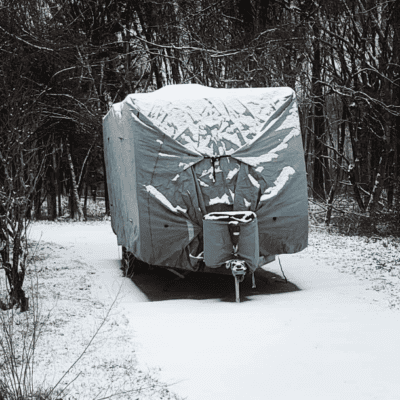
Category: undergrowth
[348,219]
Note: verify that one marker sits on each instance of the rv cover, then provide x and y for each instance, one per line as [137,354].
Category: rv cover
[180,152]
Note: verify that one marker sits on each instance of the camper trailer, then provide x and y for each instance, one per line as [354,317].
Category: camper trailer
[207,180]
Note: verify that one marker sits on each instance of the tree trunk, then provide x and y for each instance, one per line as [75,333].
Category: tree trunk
[93,190]
[15,270]
[75,202]
[71,204]
[354,182]
[319,122]
[85,165]
[85,200]
[38,205]
[310,153]
[60,187]
[30,206]
[56,185]
[175,66]
[60,209]
[354,170]
[338,169]
[51,194]
[86,192]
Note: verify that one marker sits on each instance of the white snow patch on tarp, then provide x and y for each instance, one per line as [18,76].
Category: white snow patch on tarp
[272,154]
[240,216]
[232,173]
[246,202]
[254,181]
[210,172]
[203,183]
[203,146]
[167,155]
[209,120]
[162,199]
[279,183]
[206,172]
[255,161]
[185,166]
[220,200]
[217,169]
[175,178]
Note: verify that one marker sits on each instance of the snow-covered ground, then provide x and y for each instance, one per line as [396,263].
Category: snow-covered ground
[324,335]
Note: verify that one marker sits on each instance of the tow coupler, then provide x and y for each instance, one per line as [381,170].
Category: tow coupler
[232,238]
[238,269]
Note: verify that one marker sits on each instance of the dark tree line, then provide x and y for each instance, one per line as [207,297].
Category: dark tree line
[64,63]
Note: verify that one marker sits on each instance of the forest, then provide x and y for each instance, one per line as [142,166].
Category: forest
[63,63]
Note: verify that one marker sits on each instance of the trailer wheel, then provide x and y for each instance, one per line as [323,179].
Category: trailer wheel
[127,262]
[130,265]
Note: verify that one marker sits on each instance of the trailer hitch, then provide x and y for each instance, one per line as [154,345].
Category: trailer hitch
[239,270]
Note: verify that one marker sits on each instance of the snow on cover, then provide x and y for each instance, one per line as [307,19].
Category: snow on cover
[272,154]
[162,199]
[220,200]
[279,183]
[211,121]
[232,173]
[253,181]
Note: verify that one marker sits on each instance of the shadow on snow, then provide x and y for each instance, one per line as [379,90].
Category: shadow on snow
[159,284]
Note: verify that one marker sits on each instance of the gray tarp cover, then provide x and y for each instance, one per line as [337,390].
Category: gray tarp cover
[218,246]
[183,151]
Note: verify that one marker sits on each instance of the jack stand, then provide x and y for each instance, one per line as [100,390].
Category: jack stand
[239,270]
[253,281]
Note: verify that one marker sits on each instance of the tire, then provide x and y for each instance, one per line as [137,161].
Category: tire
[130,265]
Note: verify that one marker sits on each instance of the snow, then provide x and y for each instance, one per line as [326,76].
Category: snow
[77,266]
[162,199]
[206,172]
[240,216]
[272,154]
[232,173]
[118,109]
[255,161]
[201,183]
[168,155]
[279,183]
[253,181]
[185,166]
[210,172]
[317,343]
[208,120]
[224,199]
[331,339]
